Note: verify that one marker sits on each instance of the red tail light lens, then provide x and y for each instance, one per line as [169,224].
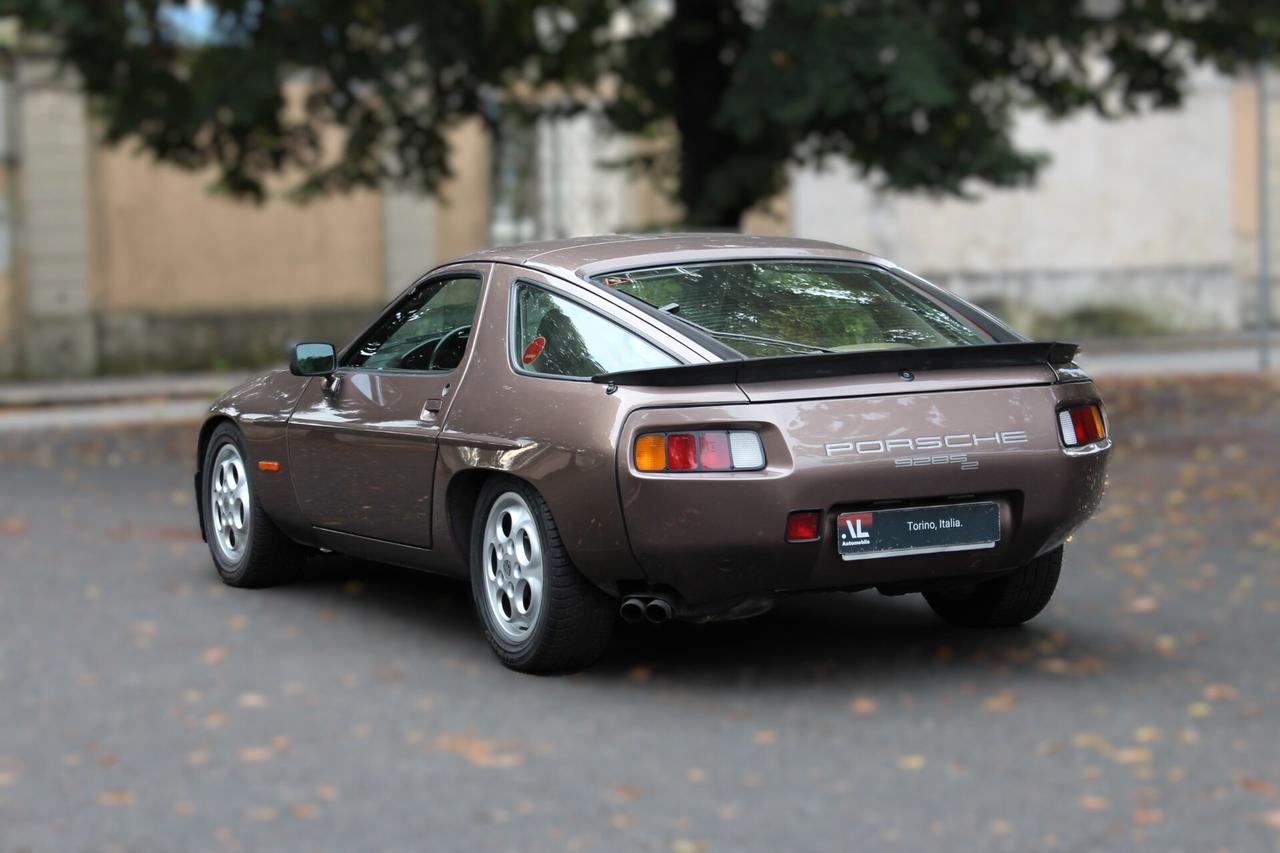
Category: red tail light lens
[803,526]
[703,450]
[682,451]
[1081,425]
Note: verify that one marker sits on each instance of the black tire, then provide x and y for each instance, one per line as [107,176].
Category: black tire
[575,619]
[266,556]
[1004,601]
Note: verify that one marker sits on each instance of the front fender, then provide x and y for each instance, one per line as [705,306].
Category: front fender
[260,408]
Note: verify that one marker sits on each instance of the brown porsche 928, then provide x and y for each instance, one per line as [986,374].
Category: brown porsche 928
[665,427]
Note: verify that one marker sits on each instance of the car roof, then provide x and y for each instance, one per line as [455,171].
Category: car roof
[588,256]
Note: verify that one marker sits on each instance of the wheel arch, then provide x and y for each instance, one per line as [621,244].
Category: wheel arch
[462,497]
[202,445]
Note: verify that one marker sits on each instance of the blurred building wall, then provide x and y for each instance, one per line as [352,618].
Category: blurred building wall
[123,264]
[119,264]
[1246,183]
[1142,212]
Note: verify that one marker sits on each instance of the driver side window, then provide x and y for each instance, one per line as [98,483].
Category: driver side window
[427,330]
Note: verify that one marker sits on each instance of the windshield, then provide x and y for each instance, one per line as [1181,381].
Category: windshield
[772,308]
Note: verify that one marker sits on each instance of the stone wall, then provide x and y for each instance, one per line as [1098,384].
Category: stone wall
[1183,298]
[57,331]
[119,263]
[134,342]
[1148,213]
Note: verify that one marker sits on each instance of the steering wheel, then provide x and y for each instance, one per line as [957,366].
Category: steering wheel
[451,337]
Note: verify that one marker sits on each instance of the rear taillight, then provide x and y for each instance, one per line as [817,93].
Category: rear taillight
[702,450]
[1081,425]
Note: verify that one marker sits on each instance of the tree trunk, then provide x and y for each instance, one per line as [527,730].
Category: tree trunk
[701,29]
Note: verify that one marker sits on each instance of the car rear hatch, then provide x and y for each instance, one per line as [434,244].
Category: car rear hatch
[852,433]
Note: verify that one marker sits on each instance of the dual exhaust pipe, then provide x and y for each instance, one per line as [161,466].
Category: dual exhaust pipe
[636,609]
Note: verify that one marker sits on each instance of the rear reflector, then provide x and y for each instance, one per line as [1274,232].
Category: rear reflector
[1082,425]
[704,450]
[803,526]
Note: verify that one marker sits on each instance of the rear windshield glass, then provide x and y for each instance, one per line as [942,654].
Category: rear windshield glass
[772,308]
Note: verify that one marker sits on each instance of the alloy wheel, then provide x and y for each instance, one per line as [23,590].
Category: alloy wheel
[513,566]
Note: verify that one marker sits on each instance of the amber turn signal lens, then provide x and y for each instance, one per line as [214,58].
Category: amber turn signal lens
[268,466]
[651,453]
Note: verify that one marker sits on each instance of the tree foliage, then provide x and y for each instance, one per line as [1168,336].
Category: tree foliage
[919,94]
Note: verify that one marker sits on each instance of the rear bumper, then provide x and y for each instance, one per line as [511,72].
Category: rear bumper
[708,537]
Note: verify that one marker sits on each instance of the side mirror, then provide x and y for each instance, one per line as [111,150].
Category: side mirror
[313,359]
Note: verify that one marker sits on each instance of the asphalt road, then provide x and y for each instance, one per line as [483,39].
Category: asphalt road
[143,706]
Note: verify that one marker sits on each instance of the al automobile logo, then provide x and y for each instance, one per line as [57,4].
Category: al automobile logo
[854,532]
[965,440]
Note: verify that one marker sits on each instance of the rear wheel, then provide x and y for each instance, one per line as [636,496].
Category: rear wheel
[248,550]
[1004,601]
[539,614]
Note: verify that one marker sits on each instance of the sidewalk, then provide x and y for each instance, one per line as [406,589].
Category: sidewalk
[206,386]
[111,402]
[1102,363]
[185,398]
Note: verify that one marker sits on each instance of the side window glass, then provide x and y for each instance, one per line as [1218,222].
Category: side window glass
[557,337]
[428,330]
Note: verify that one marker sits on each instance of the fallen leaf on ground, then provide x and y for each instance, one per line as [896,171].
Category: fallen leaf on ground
[1143,604]
[864,705]
[1093,803]
[116,797]
[1132,755]
[1256,785]
[1220,692]
[304,810]
[1147,817]
[684,845]
[910,762]
[1002,701]
[640,673]
[480,751]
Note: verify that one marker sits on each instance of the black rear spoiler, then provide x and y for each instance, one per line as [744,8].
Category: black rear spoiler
[1014,354]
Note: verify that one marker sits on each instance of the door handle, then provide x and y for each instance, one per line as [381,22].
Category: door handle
[431,409]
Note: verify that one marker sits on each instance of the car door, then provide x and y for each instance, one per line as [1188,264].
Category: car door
[363,442]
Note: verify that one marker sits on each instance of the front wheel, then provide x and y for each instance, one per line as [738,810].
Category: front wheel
[248,549]
[1003,602]
[539,614]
